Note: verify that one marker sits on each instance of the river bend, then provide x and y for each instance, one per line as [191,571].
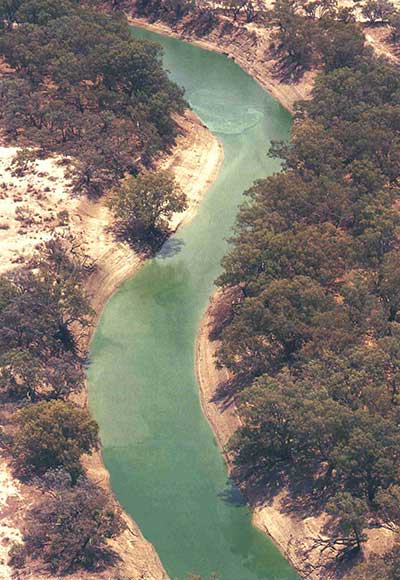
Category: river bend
[165,466]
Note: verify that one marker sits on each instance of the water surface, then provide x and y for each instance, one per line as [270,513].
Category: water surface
[165,466]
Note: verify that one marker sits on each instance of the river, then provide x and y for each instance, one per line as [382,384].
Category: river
[165,466]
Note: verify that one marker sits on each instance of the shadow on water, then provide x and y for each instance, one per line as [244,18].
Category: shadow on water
[232,495]
[171,248]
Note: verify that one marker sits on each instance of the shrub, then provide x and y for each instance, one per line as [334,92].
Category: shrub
[50,435]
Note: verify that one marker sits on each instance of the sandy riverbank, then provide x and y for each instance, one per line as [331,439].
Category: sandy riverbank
[195,162]
[42,192]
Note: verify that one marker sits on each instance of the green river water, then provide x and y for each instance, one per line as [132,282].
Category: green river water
[165,466]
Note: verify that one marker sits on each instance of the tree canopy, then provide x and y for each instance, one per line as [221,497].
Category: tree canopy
[53,434]
[143,206]
[39,306]
[70,529]
[83,86]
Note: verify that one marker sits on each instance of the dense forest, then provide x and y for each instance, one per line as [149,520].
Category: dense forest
[76,82]
[312,338]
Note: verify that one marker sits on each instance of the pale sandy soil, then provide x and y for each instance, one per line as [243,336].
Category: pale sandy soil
[44,191]
[378,38]
[29,206]
[9,491]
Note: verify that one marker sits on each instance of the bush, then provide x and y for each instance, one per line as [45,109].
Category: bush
[16,555]
[50,435]
[70,529]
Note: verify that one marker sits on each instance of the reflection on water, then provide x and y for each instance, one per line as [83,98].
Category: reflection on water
[224,114]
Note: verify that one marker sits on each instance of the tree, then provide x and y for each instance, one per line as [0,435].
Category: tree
[26,376]
[143,205]
[267,330]
[50,435]
[389,283]
[39,306]
[343,45]
[296,36]
[285,423]
[351,514]
[8,12]
[388,501]
[394,22]
[83,86]
[320,8]
[41,11]
[311,338]
[368,460]
[70,529]
[377,10]
[236,6]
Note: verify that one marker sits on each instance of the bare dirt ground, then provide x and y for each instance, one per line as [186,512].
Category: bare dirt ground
[43,192]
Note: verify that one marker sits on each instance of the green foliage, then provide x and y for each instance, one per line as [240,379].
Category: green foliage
[50,435]
[311,325]
[368,459]
[143,205]
[269,328]
[285,423]
[38,308]
[377,10]
[16,555]
[388,501]
[351,513]
[311,32]
[248,7]
[394,22]
[83,86]
[295,34]
[170,11]
[343,45]
[70,529]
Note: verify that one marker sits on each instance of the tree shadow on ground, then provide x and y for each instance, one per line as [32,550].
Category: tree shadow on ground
[285,68]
